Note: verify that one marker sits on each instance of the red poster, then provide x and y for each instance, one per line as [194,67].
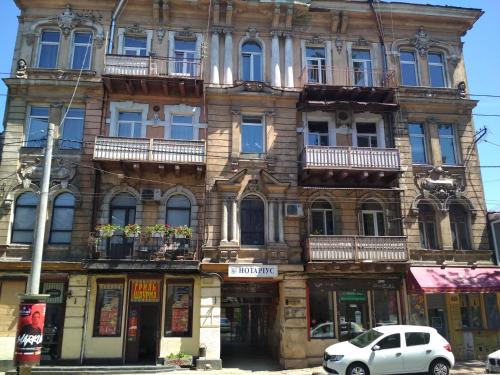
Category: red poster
[180,319]
[29,333]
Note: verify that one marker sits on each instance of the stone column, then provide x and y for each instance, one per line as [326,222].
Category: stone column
[434,153]
[328,61]
[214,57]
[445,229]
[234,221]
[281,237]
[228,58]
[289,61]
[272,237]
[275,60]
[223,228]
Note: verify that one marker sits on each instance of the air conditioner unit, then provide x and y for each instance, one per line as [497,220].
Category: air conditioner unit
[294,210]
[150,195]
[343,118]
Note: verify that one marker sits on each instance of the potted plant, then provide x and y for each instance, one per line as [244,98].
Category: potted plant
[180,359]
[169,231]
[132,230]
[183,231]
[107,230]
[155,230]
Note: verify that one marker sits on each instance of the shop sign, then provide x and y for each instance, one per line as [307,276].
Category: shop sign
[145,291]
[353,296]
[253,271]
[350,284]
[29,333]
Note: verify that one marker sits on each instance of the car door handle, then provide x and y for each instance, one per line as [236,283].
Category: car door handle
[398,354]
[428,351]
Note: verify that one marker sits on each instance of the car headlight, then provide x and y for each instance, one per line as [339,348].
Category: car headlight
[333,357]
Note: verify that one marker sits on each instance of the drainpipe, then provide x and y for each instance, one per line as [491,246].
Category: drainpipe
[85,317]
[114,15]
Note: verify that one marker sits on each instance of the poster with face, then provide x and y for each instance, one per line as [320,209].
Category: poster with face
[29,333]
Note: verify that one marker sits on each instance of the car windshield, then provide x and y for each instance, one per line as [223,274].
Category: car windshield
[366,338]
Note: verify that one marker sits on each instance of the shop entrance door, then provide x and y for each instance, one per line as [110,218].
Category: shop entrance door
[248,318]
[436,311]
[54,320]
[352,313]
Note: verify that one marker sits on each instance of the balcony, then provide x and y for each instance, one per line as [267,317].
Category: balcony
[331,76]
[356,249]
[153,75]
[350,164]
[141,151]
[139,253]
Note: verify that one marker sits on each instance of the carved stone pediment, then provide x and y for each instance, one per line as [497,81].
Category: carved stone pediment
[63,170]
[185,34]
[440,184]
[135,29]
[361,42]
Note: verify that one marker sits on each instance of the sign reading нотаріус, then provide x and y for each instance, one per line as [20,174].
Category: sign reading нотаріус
[253,270]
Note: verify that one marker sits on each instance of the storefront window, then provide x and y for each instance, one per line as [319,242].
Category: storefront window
[470,309]
[179,310]
[491,307]
[417,309]
[321,315]
[108,314]
[353,313]
[385,303]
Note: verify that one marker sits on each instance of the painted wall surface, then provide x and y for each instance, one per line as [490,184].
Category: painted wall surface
[9,307]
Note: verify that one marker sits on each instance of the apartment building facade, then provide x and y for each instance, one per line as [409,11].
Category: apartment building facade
[235,175]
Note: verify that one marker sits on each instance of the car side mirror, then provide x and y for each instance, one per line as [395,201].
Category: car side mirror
[376,348]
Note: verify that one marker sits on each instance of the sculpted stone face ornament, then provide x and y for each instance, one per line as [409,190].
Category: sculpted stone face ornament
[21,68]
[422,42]
[67,20]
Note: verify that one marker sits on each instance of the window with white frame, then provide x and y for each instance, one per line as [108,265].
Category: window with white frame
[129,124]
[427,227]
[135,45]
[38,120]
[446,134]
[185,53]
[251,61]
[316,64]
[417,141]
[182,127]
[372,215]
[409,72]
[72,131]
[49,49]
[317,133]
[178,211]
[362,67]
[437,77]
[24,218]
[459,227]
[82,50]
[321,218]
[366,134]
[252,135]
[62,219]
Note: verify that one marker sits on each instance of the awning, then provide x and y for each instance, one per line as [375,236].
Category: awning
[453,279]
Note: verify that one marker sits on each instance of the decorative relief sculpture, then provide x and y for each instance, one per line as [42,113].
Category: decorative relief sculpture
[62,172]
[135,29]
[422,42]
[21,69]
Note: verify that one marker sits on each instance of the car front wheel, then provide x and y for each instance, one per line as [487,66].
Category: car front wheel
[357,369]
[439,367]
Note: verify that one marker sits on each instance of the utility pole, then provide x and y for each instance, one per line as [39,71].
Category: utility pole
[32,305]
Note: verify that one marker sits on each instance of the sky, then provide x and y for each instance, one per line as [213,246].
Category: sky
[481,58]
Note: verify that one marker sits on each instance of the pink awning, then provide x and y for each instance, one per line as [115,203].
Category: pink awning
[453,279]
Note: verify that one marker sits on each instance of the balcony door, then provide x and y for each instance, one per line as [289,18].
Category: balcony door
[252,221]
[185,53]
[122,212]
[373,221]
[317,133]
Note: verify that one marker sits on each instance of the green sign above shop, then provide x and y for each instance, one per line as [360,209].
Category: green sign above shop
[352,296]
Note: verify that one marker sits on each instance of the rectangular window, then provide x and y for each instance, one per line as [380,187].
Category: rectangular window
[108,313]
[491,309]
[459,234]
[447,141]
[316,67]
[38,121]
[72,131]
[182,127]
[362,67]
[470,309]
[409,72]
[185,52]
[179,310]
[321,315]
[130,124]
[82,51]
[49,49]
[417,142]
[252,135]
[427,231]
[436,70]
[417,338]
[135,45]
[318,133]
[366,134]
[385,303]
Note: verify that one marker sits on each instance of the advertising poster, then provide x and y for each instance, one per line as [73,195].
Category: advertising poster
[180,309]
[110,312]
[29,333]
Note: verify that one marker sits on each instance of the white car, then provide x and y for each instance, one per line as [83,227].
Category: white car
[493,362]
[394,349]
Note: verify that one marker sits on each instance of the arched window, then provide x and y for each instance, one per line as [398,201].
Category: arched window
[178,211]
[123,209]
[251,61]
[459,221]
[24,218]
[62,219]
[372,215]
[252,220]
[321,218]
[427,226]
